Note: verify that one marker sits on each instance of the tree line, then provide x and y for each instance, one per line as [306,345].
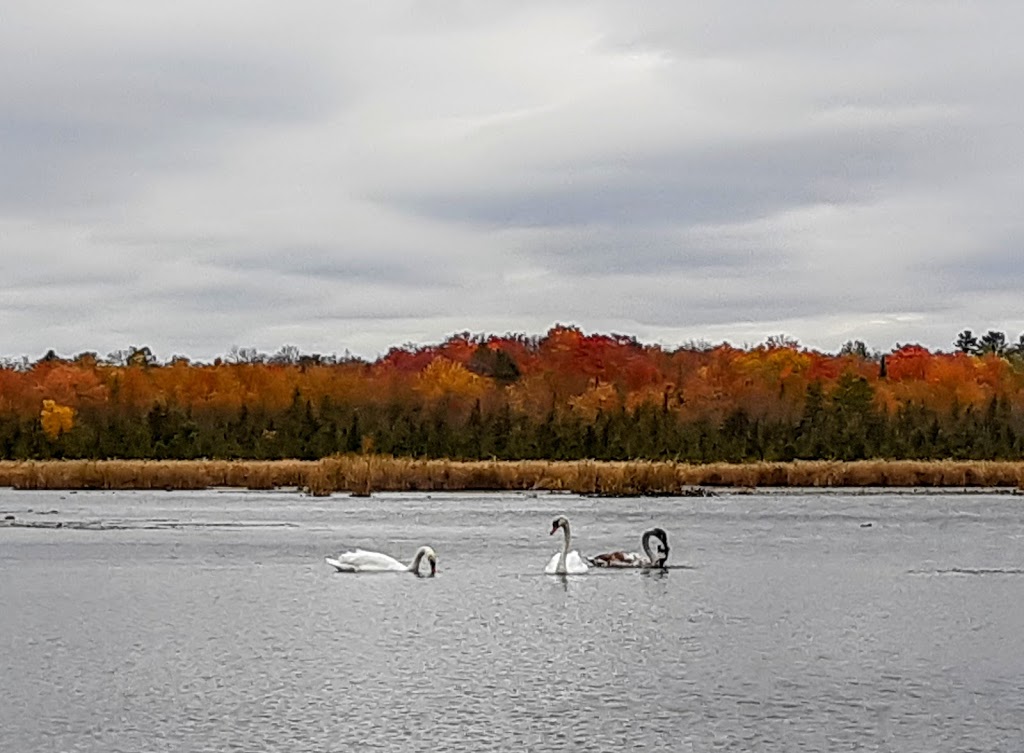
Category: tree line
[565,395]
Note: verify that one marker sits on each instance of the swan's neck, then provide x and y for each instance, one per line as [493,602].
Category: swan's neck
[645,542]
[414,567]
[659,559]
[565,548]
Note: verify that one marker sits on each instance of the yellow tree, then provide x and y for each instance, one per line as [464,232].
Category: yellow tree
[443,378]
[56,419]
[600,397]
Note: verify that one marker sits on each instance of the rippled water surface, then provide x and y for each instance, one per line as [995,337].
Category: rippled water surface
[209,621]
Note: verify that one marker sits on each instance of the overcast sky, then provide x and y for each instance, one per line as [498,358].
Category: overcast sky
[194,176]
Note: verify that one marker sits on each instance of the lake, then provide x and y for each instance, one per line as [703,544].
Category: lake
[811,621]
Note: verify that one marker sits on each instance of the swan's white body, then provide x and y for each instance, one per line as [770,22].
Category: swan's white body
[565,562]
[574,564]
[635,559]
[362,561]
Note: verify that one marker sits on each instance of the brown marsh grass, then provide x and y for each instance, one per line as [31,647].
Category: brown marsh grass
[153,474]
[364,474]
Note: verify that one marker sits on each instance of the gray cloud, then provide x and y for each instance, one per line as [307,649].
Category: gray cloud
[97,105]
[704,184]
[363,175]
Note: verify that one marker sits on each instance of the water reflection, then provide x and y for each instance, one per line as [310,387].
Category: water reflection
[571,583]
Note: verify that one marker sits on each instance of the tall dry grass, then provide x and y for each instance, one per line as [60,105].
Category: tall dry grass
[364,474]
[154,474]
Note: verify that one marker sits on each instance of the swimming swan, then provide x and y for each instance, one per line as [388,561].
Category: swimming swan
[633,559]
[361,561]
[565,562]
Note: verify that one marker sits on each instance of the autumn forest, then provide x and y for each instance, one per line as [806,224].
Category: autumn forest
[562,396]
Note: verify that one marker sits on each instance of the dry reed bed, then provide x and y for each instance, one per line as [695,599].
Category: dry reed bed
[363,474]
[153,474]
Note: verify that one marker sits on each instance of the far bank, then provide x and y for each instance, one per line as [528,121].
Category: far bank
[365,474]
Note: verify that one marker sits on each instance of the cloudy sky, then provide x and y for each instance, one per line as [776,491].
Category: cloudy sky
[194,176]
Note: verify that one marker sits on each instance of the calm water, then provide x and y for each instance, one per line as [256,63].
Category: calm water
[209,622]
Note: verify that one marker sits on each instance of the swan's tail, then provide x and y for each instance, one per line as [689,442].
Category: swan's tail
[341,567]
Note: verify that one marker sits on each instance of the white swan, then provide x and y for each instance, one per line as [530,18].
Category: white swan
[361,561]
[634,559]
[565,562]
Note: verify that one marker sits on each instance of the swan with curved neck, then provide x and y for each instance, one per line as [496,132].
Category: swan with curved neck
[361,561]
[565,562]
[633,559]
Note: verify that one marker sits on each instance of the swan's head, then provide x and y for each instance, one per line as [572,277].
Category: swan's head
[431,556]
[559,522]
[662,549]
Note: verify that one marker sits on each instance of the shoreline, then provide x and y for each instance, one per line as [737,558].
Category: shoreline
[362,475]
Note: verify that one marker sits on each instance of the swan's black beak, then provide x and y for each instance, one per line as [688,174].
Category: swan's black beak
[433,567]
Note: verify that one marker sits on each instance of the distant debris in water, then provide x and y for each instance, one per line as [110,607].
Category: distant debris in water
[696,491]
[866,525]
[971,571]
[688,491]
